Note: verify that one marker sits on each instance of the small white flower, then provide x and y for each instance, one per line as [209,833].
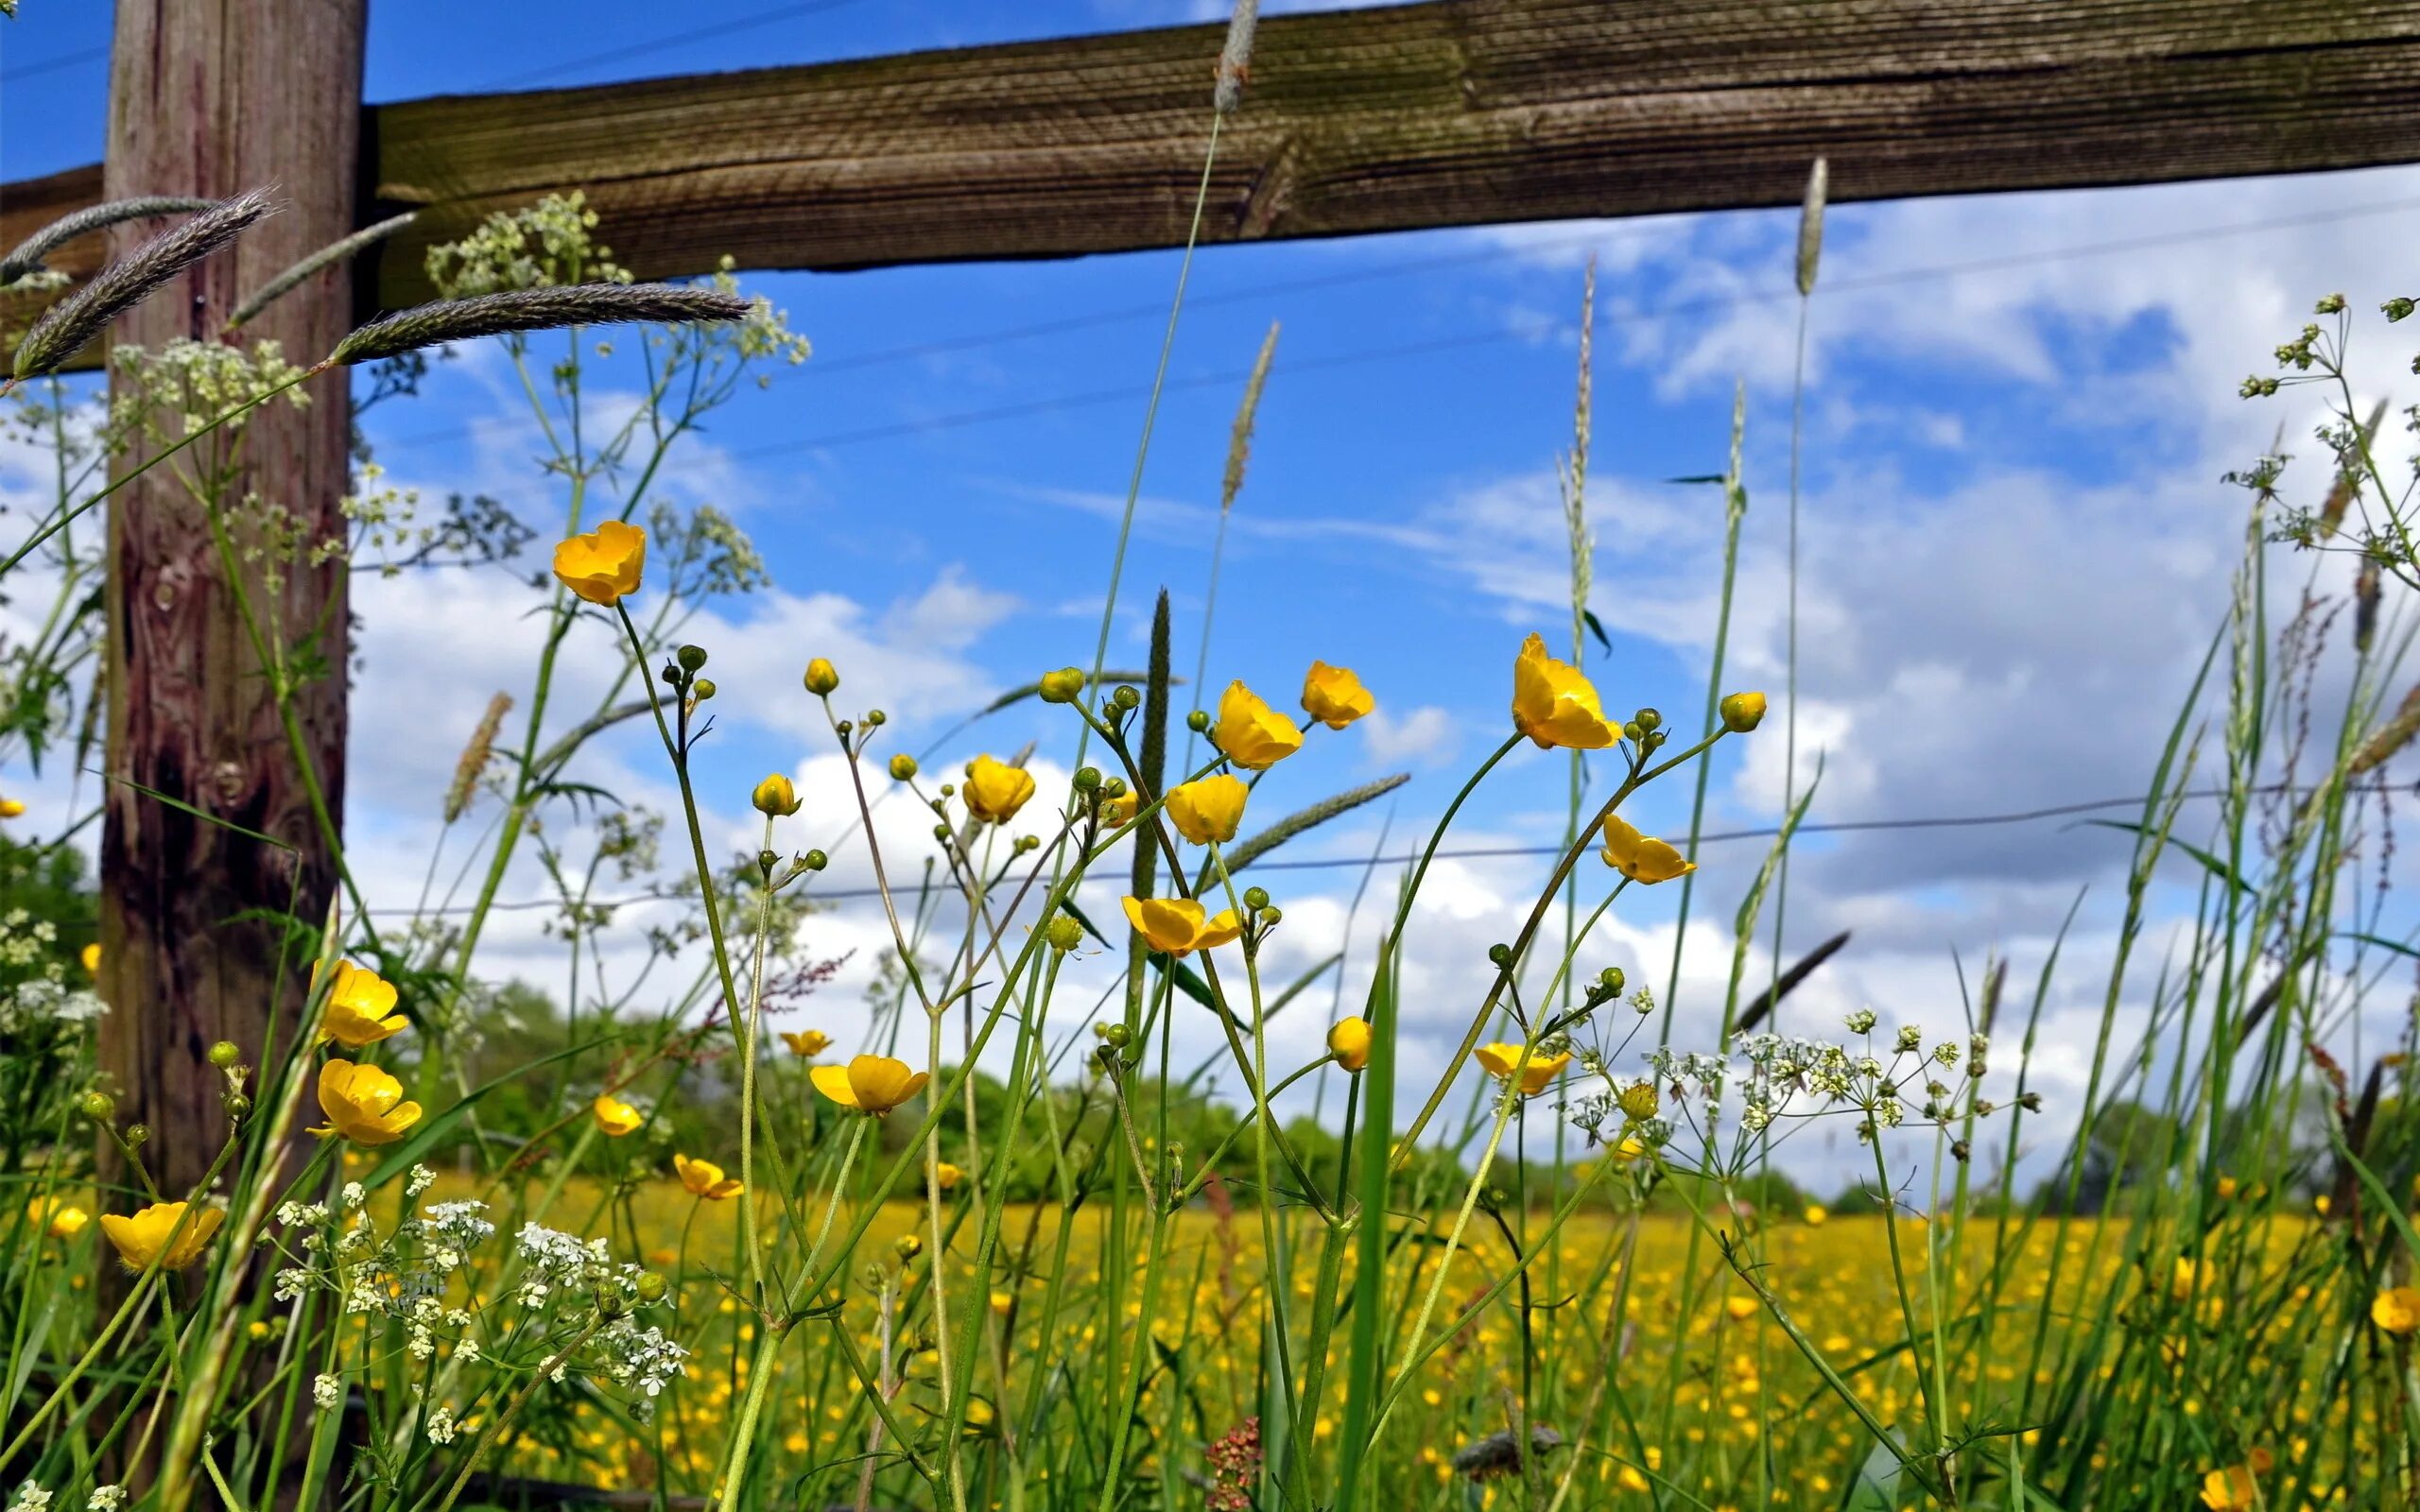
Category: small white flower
[440,1426]
[354,1195]
[326,1391]
[105,1499]
[30,1498]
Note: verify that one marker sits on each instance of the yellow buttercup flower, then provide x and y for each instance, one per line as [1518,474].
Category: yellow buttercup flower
[1176,926]
[996,790]
[1553,704]
[822,680]
[1002,1302]
[775,798]
[705,1179]
[1208,810]
[808,1042]
[361,1008]
[946,1176]
[1251,733]
[1116,813]
[1815,1215]
[2396,1310]
[2237,1487]
[1642,858]
[604,564]
[58,1218]
[614,1116]
[1536,1076]
[11,807]
[363,1104]
[92,958]
[1334,696]
[1629,1149]
[2226,1187]
[1739,1307]
[870,1083]
[143,1237]
[1348,1039]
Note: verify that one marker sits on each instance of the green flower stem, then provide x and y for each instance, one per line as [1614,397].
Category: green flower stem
[1638,779]
[760,1375]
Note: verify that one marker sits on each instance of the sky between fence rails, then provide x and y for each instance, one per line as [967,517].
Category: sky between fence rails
[2016,541]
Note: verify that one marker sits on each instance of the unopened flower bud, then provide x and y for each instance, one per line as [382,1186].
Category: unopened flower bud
[98,1106]
[1631,730]
[691,658]
[903,766]
[1272,918]
[703,689]
[941,833]
[1126,698]
[137,1133]
[775,798]
[1062,685]
[876,717]
[1087,779]
[1116,1035]
[1255,896]
[224,1053]
[822,680]
[1198,721]
[2398,307]
[815,861]
[1649,718]
[611,1302]
[908,1247]
[1612,981]
[1499,954]
[1742,712]
[652,1287]
[238,1107]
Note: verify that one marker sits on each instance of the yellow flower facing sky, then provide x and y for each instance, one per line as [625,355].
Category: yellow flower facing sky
[808,1042]
[614,1116]
[363,1104]
[1500,1060]
[947,1176]
[1348,1039]
[705,1179]
[996,790]
[1553,704]
[603,565]
[1334,696]
[1642,858]
[1177,926]
[143,1237]
[870,1083]
[1208,810]
[361,1008]
[1251,733]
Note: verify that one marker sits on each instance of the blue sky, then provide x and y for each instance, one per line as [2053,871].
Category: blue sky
[2015,542]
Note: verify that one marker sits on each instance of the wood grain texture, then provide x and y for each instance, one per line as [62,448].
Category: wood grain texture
[1451,113]
[211,96]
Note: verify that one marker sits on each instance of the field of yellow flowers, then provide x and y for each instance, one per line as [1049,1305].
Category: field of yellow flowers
[425,1239]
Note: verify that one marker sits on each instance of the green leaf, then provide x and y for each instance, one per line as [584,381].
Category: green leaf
[2212,864]
[1597,628]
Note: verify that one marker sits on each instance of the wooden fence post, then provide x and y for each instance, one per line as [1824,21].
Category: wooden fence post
[211,97]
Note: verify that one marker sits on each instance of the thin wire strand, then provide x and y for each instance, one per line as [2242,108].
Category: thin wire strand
[1461,341]
[1952,821]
